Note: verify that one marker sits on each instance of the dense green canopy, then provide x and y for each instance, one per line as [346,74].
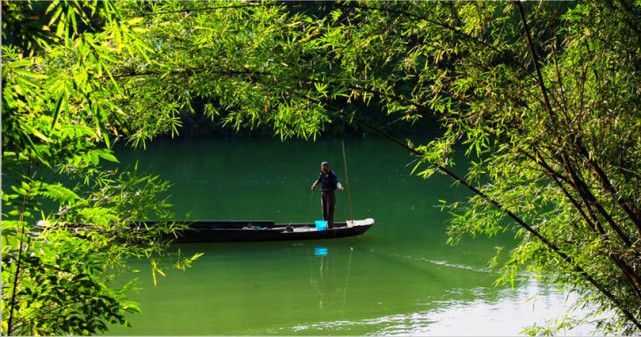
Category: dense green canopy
[545,97]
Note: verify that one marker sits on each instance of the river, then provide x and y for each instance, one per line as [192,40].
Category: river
[399,278]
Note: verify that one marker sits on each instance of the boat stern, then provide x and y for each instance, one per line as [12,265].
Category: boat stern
[364,222]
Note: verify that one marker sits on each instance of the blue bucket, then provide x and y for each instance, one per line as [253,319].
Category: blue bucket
[321,225]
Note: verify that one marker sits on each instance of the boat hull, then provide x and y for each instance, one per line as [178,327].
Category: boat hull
[228,231]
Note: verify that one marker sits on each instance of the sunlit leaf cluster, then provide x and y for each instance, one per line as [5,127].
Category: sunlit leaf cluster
[70,216]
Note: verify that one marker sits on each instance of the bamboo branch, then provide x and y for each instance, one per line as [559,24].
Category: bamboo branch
[535,59]
[605,182]
[518,220]
[559,179]
[16,275]
[590,200]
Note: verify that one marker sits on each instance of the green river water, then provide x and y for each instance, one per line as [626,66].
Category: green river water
[399,278]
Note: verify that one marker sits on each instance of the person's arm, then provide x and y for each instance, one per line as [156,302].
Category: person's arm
[338,183]
[315,184]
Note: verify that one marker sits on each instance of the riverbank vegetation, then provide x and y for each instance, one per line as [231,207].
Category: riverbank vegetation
[68,222]
[545,97]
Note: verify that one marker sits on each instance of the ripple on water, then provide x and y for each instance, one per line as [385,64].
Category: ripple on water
[445,263]
[516,310]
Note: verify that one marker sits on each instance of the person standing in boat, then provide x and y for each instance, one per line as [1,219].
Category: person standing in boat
[329,183]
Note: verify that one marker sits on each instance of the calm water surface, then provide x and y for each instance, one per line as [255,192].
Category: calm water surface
[400,278]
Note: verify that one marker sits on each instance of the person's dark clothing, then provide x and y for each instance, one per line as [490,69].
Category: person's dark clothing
[328,203]
[329,182]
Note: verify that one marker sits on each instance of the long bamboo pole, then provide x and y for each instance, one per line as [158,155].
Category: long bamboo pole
[349,188]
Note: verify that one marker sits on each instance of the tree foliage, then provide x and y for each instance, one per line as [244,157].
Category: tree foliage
[543,96]
[69,219]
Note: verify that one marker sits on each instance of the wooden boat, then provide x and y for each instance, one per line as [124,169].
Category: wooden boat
[219,231]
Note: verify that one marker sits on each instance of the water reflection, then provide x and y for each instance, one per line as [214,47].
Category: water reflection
[285,288]
[321,251]
[525,307]
[398,278]
[329,283]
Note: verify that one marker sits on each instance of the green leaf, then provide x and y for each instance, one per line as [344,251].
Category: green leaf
[107,155]
[56,112]
[40,135]
[130,306]
[59,193]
